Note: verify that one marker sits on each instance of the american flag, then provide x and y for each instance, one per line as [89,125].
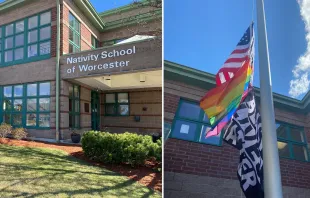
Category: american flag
[242,52]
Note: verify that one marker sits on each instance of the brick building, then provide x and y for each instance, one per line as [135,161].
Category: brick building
[200,167]
[63,66]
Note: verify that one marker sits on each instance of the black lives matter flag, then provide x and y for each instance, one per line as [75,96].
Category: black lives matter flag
[244,132]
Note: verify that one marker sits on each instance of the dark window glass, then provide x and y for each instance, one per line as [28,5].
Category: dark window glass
[283,148]
[189,110]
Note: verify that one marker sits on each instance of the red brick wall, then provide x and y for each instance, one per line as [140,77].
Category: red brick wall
[86,41]
[85,33]
[201,159]
[54,32]
[171,103]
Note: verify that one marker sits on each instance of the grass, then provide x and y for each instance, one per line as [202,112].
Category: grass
[40,172]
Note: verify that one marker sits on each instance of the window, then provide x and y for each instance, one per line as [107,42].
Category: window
[27,105]
[191,124]
[94,42]
[112,42]
[167,130]
[117,104]
[13,105]
[26,40]
[74,34]
[74,106]
[291,142]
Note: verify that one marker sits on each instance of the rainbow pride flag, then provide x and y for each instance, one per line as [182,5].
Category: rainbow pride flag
[233,82]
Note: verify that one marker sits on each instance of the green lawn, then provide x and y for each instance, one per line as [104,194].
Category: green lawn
[38,172]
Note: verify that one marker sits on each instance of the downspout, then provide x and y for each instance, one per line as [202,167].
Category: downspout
[57,71]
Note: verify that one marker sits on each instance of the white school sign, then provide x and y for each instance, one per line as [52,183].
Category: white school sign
[115,59]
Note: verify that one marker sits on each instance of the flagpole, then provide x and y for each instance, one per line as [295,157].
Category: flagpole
[272,174]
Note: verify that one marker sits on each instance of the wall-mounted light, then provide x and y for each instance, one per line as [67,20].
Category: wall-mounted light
[144,108]
[107,77]
[137,118]
[142,78]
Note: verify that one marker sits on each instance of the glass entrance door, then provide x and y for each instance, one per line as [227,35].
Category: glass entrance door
[95,110]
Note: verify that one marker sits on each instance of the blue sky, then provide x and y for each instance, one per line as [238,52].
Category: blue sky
[201,34]
[102,6]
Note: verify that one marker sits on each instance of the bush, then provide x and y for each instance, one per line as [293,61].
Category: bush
[19,133]
[5,129]
[120,148]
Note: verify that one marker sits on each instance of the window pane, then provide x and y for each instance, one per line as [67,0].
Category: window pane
[7,105]
[123,110]
[45,18]
[32,50]
[77,106]
[71,20]
[17,119]
[189,110]
[283,149]
[33,36]
[44,104]
[70,105]
[19,40]
[210,140]
[167,129]
[45,48]
[110,110]
[205,118]
[300,152]
[7,91]
[76,92]
[31,104]
[77,121]
[70,91]
[184,130]
[281,130]
[31,119]
[0,32]
[31,89]
[18,104]
[45,89]
[33,22]
[7,118]
[45,33]
[18,90]
[19,54]
[8,56]
[110,98]
[9,43]
[296,135]
[71,50]
[122,97]
[9,30]
[44,120]
[71,121]
[19,26]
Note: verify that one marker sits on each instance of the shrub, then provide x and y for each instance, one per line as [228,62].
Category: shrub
[5,129]
[19,133]
[127,148]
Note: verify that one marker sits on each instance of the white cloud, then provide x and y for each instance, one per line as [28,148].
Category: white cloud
[300,82]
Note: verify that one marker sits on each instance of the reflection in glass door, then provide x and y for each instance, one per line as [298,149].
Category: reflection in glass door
[95,111]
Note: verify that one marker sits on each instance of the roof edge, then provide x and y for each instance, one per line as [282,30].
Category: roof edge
[10,3]
[97,21]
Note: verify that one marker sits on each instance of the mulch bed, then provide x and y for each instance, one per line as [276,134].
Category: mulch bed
[145,175]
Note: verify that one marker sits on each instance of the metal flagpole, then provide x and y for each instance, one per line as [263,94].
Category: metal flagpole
[272,174]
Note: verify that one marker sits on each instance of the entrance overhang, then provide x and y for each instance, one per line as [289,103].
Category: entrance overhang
[137,80]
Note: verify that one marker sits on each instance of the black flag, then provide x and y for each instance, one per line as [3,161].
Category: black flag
[244,132]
